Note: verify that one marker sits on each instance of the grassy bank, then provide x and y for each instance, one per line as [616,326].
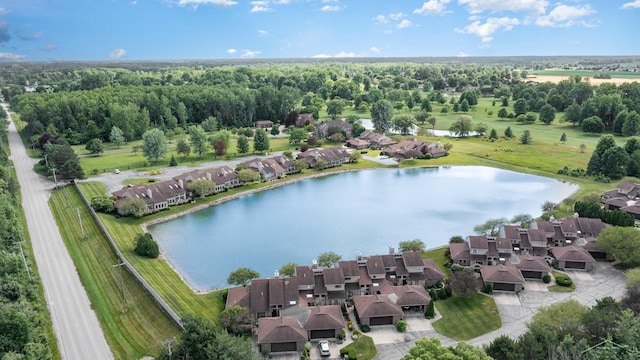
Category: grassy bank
[134,333]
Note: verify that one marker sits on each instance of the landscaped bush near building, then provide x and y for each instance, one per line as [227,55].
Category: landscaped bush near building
[546,279]
[433,293]
[442,294]
[488,289]
[365,328]
[401,325]
[563,281]
[103,204]
[431,311]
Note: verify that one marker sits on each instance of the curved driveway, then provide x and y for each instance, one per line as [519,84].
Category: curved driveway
[74,322]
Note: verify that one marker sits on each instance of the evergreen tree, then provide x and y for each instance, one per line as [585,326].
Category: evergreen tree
[173,161]
[563,138]
[242,144]
[431,312]
[526,139]
[260,140]
[508,133]
[493,135]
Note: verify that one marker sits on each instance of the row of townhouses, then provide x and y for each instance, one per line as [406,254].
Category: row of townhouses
[307,306]
[625,197]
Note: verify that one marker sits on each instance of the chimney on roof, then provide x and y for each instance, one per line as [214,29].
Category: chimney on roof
[391,250]
[276,274]
[181,183]
[149,193]
[208,176]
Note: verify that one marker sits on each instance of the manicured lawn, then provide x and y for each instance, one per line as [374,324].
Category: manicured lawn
[363,347]
[464,319]
[138,331]
[558,288]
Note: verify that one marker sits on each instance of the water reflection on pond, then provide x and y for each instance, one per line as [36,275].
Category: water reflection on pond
[364,211]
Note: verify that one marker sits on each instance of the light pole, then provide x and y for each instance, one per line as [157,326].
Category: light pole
[168,342]
[81,227]
[55,180]
[24,260]
[124,304]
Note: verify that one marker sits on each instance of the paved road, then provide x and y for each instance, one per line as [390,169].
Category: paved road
[74,322]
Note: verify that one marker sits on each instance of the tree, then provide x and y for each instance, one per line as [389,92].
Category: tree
[520,107]
[456,239]
[236,320]
[504,348]
[242,144]
[411,245]
[201,339]
[592,124]
[430,313]
[465,283]
[526,138]
[104,204]
[173,161]
[220,147]
[288,269]
[260,141]
[296,135]
[621,242]
[631,125]
[242,276]
[563,138]
[202,187]
[547,114]
[502,113]
[210,124]
[95,146]
[432,121]
[381,114]
[614,163]
[154,144]
[508,133]
[403,124]
[462,127]
[275,131]
[132,206]
[490,226]
[561,319]
[431,348]
[248,176]
[493,135]
[425,106]
[481,129]
[198,139]
[328,259]
[182,148]
[335,107]
[146,246]
[64,160]
[15,329]
[464,105]
[602,319]
[522,220]
[116,136]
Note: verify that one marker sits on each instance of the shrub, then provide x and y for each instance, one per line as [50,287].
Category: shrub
[104,204]
[433,293]
[401,325]
[442,294]
[350,352]
[146,246]
[365,328]
[456,267]
[546,279]
[342,335]
[488,289]
[563,281]
[447,291]
[431,312]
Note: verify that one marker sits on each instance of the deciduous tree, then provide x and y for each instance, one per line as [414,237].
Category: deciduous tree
[95,146]
[328,259]
[381,114]
[462,127]
[154,145]
[411,245]
[242,276]
[465,283]
[242,144]
[621,242]
[116,136]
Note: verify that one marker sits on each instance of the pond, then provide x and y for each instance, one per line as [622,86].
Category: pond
[356,212]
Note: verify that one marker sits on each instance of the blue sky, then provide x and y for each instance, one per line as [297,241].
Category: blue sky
[49,30]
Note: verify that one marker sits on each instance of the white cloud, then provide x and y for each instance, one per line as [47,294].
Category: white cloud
[533,7]
[231,51]
[195,3]
[247,54]
[396,16]
[11,57]
[49,47]
[432,7]
[260,6]
[134,2]
[342,54]
[374,50]
[564,16]
[631,5]
[381,19]
[263,33]
[486,30]
[462,54]
[117,53]
[331,8]
[404,24]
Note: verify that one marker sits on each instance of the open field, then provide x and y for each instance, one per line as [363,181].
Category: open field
[614,80]
[464,319]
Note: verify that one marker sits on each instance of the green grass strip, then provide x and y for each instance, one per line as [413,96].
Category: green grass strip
[138,331]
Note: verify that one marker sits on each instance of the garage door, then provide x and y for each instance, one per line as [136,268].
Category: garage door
[598,255]
[574,265]
[323,334]
[504,287]
[280,347]
[383,320]
[531,274]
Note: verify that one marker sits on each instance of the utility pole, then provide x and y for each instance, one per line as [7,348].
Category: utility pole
[25,261]
[124,304]
[81,227]
[55,180]
[168,343]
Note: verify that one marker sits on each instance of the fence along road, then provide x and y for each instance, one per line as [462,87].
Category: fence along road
[74,322]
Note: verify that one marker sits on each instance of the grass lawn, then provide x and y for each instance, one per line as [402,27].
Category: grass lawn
[558,288]
[363,347]
[464,319]
[138,331]
[437,255]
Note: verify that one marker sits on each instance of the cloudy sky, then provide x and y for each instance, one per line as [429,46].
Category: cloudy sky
[44,30]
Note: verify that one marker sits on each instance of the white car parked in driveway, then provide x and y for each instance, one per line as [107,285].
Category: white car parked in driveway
[323,346]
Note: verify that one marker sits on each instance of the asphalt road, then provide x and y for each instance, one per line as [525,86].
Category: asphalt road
[74,322]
